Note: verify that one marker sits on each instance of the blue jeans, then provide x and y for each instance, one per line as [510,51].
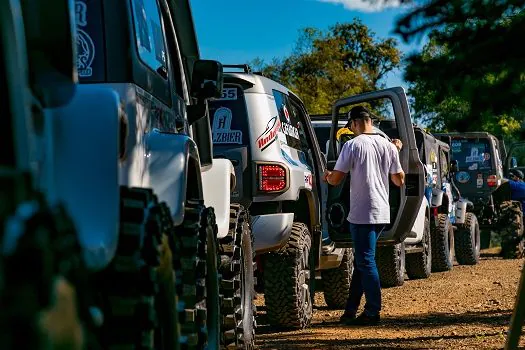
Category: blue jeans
[365,278]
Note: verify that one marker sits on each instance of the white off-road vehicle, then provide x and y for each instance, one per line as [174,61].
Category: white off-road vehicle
[265,130]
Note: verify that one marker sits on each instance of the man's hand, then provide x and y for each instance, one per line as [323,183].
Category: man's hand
[325,175]
[397,143]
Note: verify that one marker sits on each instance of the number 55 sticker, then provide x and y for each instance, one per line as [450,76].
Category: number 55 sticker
[229,94]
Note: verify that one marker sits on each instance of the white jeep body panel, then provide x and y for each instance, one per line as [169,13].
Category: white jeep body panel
[217,193]
[416,234]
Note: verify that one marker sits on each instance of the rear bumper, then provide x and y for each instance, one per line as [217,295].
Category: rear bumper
[271,231]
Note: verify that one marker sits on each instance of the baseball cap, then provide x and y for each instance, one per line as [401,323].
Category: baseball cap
[516,172]
[358,112]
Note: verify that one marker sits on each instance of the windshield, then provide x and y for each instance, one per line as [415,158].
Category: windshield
[472,154]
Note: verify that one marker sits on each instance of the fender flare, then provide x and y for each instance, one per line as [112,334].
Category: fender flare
[174,170]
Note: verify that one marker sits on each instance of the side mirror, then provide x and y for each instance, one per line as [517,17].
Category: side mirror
[454,166]
[513,162]
[207,80]
[51,49]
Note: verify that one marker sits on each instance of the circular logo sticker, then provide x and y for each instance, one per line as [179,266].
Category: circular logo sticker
[463,177]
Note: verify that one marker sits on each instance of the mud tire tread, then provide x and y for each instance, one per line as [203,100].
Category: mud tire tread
[511,232]
[336,282]
[391,269]
[467,253]
[282,283]
[419,265]
[442,248]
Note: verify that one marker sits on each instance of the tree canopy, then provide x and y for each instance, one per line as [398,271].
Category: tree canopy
[471,74]
[347,59]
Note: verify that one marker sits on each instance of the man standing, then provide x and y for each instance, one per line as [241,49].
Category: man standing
[371,160]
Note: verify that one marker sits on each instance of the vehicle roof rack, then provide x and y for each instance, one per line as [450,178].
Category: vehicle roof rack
[245,67]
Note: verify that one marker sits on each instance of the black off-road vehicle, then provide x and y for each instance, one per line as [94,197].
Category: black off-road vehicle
[479,157]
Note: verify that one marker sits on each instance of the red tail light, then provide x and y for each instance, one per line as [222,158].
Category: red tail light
[272,178]
[492,180]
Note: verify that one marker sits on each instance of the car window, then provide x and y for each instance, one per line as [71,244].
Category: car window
[228,117]
[472,154]
[148,33]
[291,126]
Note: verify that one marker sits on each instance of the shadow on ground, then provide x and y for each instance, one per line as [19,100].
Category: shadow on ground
[303,339]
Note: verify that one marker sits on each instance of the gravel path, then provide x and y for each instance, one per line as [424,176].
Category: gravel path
[466,308]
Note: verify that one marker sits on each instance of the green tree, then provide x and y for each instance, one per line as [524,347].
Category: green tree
[473,75]
[345,60]
[451,113]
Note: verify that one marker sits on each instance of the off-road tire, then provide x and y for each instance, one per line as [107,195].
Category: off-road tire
[442,244]
[390,260]
[511,230]
[237,282]
[467,241]
[419,265]
[287,276]
[336,282]
[44,249]
[138,287]
[197,283]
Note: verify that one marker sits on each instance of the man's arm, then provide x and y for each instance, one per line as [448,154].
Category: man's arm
[334,177]
[398,179]
[342,166]
[397,175]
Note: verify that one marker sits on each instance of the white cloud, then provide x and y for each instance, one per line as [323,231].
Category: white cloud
[366,5]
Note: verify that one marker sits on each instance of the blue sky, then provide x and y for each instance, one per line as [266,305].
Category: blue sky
[237,31]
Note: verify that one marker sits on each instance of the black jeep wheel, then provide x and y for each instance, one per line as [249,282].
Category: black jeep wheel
[198,281]
[138,288]
[442,244]
[288,281]
[511,230]
[467,241]
[419,265]
[336,282]
[42,281]
[390,261]
[237,282]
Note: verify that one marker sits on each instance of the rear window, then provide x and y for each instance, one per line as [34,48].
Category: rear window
[229,119]
[472,154]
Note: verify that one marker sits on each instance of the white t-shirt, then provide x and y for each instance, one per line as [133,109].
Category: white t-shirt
[370,159]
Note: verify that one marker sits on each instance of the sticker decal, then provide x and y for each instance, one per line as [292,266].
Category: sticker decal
[229,94]
[290,130]
[286,114]
[85,45]
[479,181]
[308,181]
[270,134]
[433,157]
[221,129]
[463,177]
[287,157]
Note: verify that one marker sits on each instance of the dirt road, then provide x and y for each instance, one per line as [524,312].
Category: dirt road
[467,308]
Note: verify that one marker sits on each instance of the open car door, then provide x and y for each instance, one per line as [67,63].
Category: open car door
[405,201]
[515,158]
